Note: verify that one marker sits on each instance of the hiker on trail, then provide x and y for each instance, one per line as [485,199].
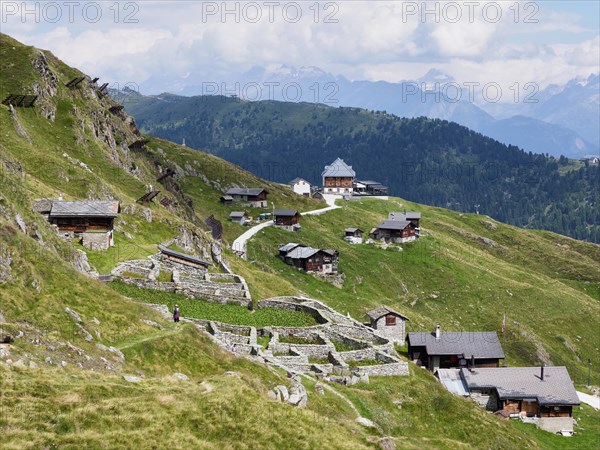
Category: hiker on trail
[176,314]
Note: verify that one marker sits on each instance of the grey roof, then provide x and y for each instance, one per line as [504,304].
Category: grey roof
[285,212]
[302,252]
[404,216]
[393,224]
[85,208]
[338,168]
[480,344]
[236,214]
[367,182]
[287,247]
[453,382]
[245,191]
[169,252]
[353,230]
[384,311]
[525,382]
[296,180]
[329,251]
[227,197]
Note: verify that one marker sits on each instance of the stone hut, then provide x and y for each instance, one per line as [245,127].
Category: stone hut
[388,323]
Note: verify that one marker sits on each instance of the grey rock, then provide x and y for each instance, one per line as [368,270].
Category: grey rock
[232,374]
[152,323]
[272,395]
[32,365]
[132,378]
[20,223]
[86,335]
[181,376]
[117,352]
[283,392]
[73,314]
[48,360]
[366,422]
[147,214]
[319,388]
[81,262]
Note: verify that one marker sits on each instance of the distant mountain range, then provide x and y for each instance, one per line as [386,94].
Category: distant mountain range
[563,121]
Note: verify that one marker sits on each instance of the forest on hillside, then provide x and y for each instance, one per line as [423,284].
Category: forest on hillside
[423,160]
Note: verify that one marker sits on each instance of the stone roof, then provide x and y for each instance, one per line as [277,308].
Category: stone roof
[525,382]
[338,168]
[237,214]
[184,256]
[245,191]
[297,180]
[393,225]
[85,208]
[353,230]
[404,215]
[480,344]
[285,212]
[227,197]
[290,246]
[384,311]
[302,252]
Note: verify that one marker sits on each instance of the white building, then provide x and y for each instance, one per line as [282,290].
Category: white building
[300,186]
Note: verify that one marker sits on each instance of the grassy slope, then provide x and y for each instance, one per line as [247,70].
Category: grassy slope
[71,408]
[547,284]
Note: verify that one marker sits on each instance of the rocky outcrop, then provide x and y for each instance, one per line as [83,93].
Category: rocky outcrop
[81,262]
[295,396]
[5,265]
[48,87]
[18,127]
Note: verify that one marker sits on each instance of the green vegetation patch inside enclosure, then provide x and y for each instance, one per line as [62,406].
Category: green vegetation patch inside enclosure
[227,313]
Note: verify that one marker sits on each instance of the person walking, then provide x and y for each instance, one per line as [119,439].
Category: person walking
[176,314]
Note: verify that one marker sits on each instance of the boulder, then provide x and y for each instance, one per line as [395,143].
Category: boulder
[132,378]
[73,314]
[283,392]
[366,422]
[181,376]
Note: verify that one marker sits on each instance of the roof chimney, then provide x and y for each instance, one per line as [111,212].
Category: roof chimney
[542,372]
[438,332]
[472,361]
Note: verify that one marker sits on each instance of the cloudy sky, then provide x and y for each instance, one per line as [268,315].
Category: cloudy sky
[165,46]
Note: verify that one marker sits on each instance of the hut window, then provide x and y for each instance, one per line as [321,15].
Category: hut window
[390,320]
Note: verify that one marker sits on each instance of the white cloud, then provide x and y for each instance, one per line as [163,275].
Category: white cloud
[175,43]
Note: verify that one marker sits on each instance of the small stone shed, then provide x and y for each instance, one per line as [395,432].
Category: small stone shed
[388,323]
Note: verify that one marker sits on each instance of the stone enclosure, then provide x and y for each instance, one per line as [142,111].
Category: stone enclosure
[338,346]
[153,273]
